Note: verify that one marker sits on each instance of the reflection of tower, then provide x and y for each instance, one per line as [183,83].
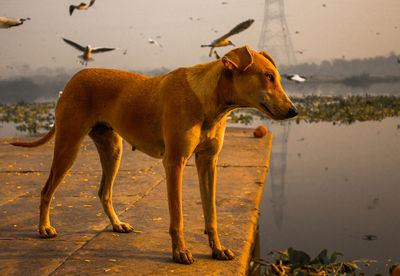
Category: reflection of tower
[275,36]
[277,170]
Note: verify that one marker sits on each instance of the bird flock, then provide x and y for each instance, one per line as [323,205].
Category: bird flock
[88,50]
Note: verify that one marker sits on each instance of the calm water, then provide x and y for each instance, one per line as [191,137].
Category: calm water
[330,186]
[8,129]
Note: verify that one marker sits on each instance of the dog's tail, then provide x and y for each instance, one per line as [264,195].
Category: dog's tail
[36,143]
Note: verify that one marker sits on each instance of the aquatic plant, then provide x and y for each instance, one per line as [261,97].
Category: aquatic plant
[33,117]
[338,109]
[298,263]
[240,118]
[28,117]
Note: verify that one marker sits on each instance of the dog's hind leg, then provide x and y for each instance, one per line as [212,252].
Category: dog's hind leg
[109,146]
[66,149]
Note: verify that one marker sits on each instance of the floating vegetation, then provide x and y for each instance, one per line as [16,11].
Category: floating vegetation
[298,263]
[33,117]
[240,118]
[335,109]
[30,117]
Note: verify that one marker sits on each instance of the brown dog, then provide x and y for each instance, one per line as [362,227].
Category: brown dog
[169,117]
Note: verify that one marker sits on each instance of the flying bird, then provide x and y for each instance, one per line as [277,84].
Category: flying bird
[223,40]
[155,42]
[87,51]
[294,77]
[6,22]
[81,6]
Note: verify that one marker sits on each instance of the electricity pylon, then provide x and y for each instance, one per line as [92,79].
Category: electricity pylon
[275,35]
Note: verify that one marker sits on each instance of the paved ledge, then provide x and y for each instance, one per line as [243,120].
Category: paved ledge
[86,245]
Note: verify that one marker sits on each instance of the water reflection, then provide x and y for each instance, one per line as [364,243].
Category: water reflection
[277,170]
[335,187]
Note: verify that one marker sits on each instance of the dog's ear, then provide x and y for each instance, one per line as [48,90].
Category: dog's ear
[239,58]
[268,57]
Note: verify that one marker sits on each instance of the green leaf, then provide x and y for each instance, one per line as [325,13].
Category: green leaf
[348,267]
[298,258]
[323,257]
[334,256]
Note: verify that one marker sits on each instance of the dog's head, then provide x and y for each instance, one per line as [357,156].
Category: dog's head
[256,83]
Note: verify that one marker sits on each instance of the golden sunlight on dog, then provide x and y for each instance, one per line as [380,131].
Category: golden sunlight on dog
[170,117]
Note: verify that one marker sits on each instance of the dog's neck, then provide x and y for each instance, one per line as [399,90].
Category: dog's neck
[212,84]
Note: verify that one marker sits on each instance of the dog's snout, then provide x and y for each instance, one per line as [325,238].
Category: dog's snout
[292,112]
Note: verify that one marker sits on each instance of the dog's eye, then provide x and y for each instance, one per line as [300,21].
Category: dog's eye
[270,77]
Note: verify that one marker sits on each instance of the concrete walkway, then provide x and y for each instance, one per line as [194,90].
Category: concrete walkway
[86,245]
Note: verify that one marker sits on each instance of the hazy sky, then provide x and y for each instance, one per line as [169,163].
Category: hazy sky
[350,28]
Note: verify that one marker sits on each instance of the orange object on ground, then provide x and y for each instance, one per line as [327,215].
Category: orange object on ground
[260,131]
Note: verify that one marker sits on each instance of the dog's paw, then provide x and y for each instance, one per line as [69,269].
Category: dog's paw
[223,254]
[122,228]
[47,232]
[183,257]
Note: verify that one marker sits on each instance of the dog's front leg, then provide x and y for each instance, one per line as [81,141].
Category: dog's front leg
[173,170]
[206,168]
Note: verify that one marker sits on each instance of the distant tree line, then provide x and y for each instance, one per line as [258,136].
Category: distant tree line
[380,65]
[44,85]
